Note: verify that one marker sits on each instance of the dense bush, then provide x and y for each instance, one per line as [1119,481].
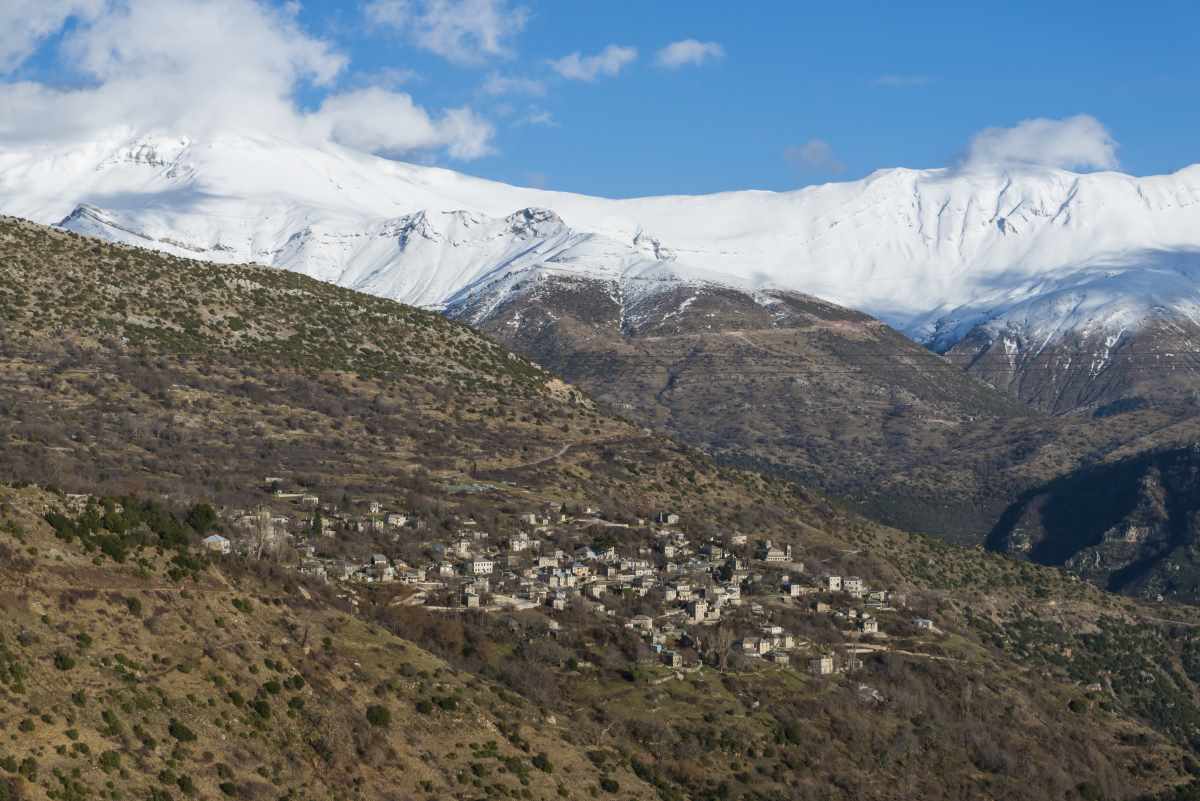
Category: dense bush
[180,732]
[379,716]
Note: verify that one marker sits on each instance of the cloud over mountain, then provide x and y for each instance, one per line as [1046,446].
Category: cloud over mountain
[203,65]
[1079,142]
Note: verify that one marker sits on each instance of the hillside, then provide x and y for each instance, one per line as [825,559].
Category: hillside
[1128,525]
[127,680]
[1096,369]
[172,675]
[780,382]
[832,398]
[119,360]
[119,380]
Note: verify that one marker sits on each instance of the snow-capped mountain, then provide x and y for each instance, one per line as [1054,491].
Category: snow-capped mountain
[1024,256]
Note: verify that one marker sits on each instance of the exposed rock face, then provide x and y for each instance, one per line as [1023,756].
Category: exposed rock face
[1131,526]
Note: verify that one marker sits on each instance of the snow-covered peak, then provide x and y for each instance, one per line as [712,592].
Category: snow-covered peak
[934,252]
[150,151]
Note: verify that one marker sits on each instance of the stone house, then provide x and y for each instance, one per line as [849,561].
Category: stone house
[821,665]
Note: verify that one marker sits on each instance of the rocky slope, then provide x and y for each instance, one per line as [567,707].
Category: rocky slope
[1130,525]
[1110,338]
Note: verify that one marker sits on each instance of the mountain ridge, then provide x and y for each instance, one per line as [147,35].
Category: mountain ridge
[757,236]
[1040,265]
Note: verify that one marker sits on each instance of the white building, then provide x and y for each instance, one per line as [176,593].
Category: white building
[217,544]
[821,665]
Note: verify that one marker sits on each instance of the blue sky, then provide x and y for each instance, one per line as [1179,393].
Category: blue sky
[789,93]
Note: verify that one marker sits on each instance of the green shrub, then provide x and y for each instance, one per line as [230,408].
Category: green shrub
[609,785]
[63,661]
[110,761]
[180,732]
[379,716]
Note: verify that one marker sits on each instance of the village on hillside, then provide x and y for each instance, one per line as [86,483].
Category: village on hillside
[721,600]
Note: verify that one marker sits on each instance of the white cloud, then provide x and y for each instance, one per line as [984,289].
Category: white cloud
[25,23]
[608,62]
[539,117]
[815,155]
[389,123]
[461,31]
[235,65]
[688,52]
[1079,142]
[497,84]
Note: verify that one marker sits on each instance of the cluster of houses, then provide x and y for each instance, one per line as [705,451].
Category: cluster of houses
[555,561]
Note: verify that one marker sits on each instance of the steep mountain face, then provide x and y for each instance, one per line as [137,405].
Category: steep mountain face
[1097,338]
[1099,370]
[1132,526]
[775,380]
[1028,260]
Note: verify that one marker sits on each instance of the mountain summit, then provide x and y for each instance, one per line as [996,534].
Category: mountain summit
[1000,264]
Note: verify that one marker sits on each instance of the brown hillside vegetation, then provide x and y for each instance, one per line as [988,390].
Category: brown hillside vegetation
[117,681]
[117,379]
[831,397]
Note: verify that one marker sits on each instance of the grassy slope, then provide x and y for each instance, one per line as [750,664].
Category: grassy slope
[116,395]
[99,707]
